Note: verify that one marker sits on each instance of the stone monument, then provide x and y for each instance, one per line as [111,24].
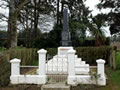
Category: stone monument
[65,35]
[66,43]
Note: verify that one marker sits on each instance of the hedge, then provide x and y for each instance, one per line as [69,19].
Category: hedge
[28,56]
[89,54]
[4,70]
[52,51]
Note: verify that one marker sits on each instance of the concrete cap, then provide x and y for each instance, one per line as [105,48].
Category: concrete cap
[42,51]
[100,61]
[15,60]
[71,51]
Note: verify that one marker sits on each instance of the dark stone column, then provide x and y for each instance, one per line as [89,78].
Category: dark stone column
[65,35]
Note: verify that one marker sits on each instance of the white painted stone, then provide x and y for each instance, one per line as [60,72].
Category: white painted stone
[82,69]
[71,80]
[101,81]
[42,51]
[100,69]
[71,67]
[59,63]
[100,72]
[85,79]
[32,79]
[42,66]
[14,79]
[82,62]
[41,79]
[77,60]
[42,60]
[28,79]
[63,50]
[15,66]
[69,63]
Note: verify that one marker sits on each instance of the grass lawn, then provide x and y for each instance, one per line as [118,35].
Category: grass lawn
[113,82]
[118,59]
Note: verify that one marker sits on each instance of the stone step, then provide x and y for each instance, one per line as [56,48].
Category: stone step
[56,86]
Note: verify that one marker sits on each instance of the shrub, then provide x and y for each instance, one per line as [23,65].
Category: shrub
[52,51]
[28,56]
[91,54]
[88,54]
[4,70]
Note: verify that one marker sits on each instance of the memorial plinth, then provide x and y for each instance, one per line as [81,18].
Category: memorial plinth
[63,50]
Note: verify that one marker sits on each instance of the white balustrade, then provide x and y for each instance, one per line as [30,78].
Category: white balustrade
[77,70]
[101,80]
[71,67]
[42,67]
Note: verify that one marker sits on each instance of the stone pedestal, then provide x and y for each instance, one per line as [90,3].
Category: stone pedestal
[15,71]
[71,67]
[15,66]
[42,68]
[63,50]
[101,80]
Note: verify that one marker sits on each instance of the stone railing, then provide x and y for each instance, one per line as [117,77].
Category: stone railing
[41,78]
[85,79]
[16,78]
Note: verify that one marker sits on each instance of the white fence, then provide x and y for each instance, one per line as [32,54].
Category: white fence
[72,78]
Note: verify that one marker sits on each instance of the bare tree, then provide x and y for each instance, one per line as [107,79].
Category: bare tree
[14,9]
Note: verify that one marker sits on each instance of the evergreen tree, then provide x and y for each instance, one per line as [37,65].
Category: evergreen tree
[113,16]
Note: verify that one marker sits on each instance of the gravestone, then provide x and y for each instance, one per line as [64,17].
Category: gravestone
[65,35]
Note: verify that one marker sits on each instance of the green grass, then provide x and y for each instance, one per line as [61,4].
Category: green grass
[113,82]
[118,59]
[114,76]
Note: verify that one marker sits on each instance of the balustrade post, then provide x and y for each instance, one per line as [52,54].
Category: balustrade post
[71,67]
[42,66]
[101,80]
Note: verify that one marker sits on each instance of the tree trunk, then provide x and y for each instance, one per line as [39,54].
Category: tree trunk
[12,22]
[99,41]
[36,16]
[12,26]
[62,8]
[58,4]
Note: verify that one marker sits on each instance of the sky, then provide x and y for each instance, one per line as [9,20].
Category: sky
[90,3]
[4,11]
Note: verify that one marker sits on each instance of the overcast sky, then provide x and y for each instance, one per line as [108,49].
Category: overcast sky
[90,3]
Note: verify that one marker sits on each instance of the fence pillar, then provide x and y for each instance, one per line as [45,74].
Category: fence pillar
[71,67]
[101,80]
[15,71]
[42,66]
